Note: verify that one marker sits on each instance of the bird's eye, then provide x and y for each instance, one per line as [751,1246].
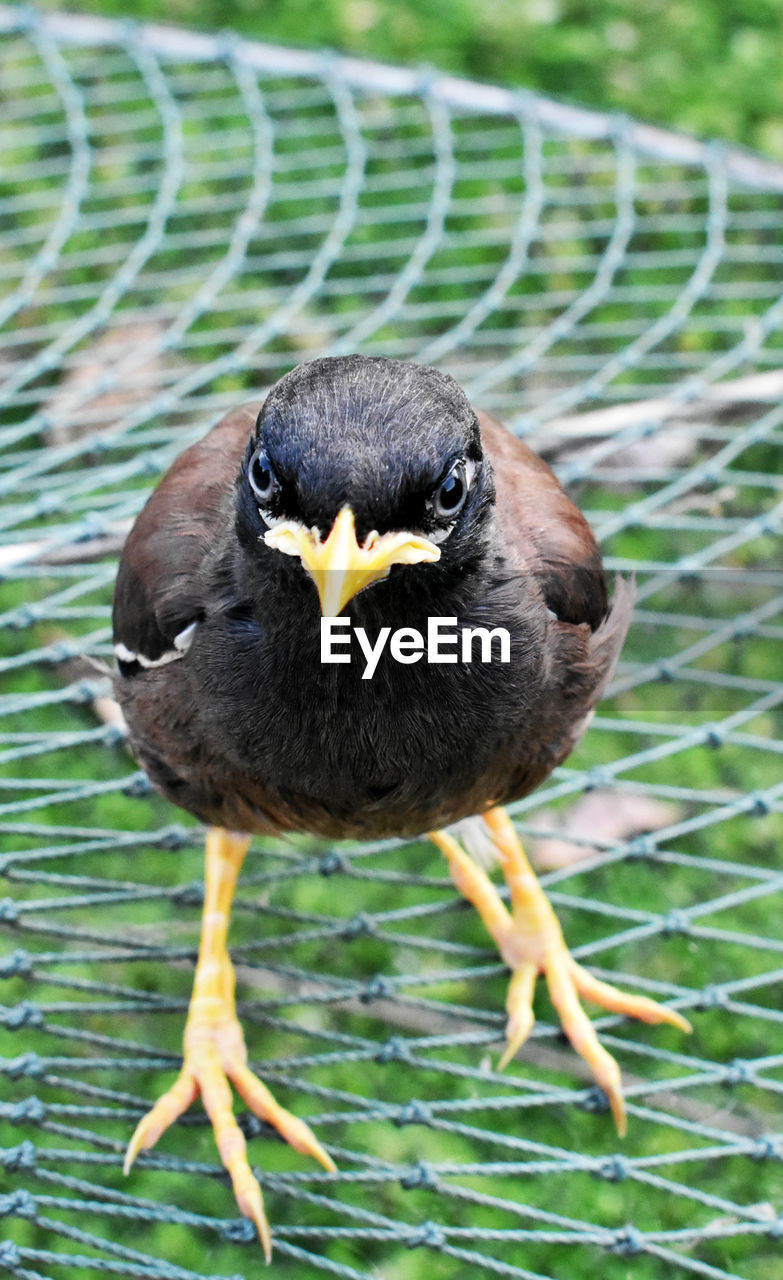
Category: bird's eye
[263,480]
[451,493]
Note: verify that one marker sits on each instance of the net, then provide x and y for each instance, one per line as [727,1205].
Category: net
[183,218]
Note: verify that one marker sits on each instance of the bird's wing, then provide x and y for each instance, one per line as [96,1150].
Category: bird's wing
[157,598]
[545,534]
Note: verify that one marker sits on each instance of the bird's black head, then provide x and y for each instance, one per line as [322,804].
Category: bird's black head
[394,443]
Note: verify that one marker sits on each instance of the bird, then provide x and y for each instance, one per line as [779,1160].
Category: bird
[368,493]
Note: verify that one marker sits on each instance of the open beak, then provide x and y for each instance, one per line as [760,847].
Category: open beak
[339,567]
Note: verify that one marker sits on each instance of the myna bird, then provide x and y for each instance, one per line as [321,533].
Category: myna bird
[370,488]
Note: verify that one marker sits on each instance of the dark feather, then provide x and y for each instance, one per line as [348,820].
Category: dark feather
[249,730]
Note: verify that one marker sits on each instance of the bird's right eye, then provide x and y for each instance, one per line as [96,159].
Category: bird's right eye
[263,480]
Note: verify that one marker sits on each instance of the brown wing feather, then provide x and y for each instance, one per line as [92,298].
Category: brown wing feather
[548,537]
[154,597]
[546,534]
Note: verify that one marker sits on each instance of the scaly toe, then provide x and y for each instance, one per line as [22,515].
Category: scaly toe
[167,1109]
[607,1076]
[263,1103]
[519,1003]
[232,1150]
[616,1001]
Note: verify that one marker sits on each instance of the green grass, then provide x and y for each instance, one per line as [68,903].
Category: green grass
[708,67]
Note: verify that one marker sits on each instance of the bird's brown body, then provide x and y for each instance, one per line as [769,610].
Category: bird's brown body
[236,735]
[372,487]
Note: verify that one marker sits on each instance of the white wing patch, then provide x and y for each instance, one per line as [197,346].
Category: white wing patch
[182,643]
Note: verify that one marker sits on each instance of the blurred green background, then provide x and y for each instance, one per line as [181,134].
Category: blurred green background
[712,67]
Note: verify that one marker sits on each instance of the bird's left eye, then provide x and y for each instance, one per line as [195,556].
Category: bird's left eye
[263,480]
[451,493]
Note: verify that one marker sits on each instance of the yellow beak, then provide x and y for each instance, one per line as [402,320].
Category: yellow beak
[339,567]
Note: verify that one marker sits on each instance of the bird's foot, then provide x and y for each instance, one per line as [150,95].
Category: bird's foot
[215,1056]
[215,1059]
[531,942]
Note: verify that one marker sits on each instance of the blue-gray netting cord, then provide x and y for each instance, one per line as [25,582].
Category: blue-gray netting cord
[183,217]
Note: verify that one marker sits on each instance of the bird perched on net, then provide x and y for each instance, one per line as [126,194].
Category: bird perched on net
[368,488]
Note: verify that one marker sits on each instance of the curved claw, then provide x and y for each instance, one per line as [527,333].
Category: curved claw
[519,1003]
[251,1204]
[167,1109]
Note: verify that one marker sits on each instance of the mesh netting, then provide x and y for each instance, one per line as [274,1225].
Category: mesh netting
[183,219]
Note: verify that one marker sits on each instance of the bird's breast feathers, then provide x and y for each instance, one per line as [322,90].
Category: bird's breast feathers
[380,474]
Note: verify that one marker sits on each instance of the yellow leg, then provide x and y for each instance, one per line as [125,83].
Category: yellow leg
[531,941]
[214,1049]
